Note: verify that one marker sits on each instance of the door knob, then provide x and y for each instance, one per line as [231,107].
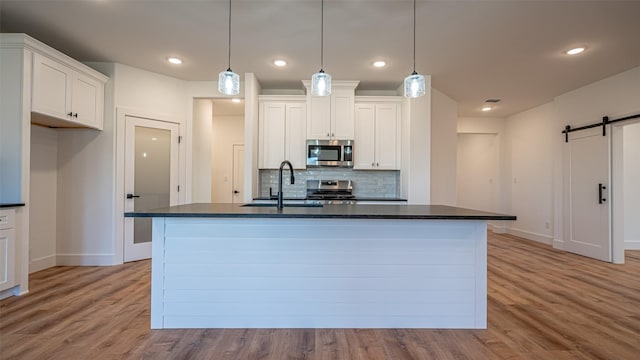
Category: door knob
[131,196]
[236,192]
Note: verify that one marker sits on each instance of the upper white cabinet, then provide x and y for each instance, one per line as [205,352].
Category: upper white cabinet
[282,129]
[68,97]
[377,134]
[331,117]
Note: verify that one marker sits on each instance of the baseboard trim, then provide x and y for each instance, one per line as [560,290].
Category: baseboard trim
[498,229]
[632,245]
[545,239]
[558,244]
[84,259]
[42,263]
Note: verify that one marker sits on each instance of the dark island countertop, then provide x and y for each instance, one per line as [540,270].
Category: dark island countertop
[392,212]
[8,205]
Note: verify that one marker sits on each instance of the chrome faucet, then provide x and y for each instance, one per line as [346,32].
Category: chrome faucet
[293,180]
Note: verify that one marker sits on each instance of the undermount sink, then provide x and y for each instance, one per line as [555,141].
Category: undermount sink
[285,205]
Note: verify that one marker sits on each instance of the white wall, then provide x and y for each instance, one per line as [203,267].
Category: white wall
[631,181]
[43,194]
[444,119]
[201,155]
[416,148]
[227,131]
[529,146]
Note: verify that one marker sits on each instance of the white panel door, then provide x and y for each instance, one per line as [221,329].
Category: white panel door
[151,178]
[477,167]
[85,100]
[589,210]
[272,135]
[296,129]
[365,147]
[386,136]
[51,88]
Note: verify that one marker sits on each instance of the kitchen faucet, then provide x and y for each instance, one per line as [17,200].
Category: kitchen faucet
[293,180]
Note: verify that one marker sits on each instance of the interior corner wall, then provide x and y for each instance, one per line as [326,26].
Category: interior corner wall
[529,142]
[85,189]
[631,174]
[444,118]
[201,190]
[43,195]
[227,131]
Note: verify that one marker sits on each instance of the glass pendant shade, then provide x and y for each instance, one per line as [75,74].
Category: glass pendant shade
[229,83]
[321,84]
[414,85]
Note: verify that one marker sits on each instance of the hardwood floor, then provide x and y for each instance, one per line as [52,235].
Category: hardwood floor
[542,304]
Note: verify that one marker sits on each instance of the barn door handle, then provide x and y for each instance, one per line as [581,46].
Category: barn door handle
[600,189]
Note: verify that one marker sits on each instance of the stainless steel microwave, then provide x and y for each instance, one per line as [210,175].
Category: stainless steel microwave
[330,153]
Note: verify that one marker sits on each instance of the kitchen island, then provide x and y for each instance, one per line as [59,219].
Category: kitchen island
[337,266]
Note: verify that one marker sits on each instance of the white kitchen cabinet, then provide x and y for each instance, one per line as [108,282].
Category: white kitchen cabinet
[7,249]
[331,117]
[377,135]
[282,129]
[67,97]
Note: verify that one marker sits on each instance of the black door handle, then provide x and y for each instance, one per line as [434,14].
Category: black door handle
[600,189]
[131,196]
[236,192]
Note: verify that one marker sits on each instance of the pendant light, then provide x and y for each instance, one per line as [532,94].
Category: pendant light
[414,84]
[321,81]
[228,81]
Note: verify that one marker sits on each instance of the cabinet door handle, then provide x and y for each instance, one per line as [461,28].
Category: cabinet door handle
[373,164]
[131,196]
[75,115]
[236,192]
[328,135]
[333,135]
[377,164]
[601,199]
[70,114]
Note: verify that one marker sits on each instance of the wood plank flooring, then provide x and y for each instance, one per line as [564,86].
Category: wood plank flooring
[542,304]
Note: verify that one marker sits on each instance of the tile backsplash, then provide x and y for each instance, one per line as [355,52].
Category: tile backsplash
[374,184]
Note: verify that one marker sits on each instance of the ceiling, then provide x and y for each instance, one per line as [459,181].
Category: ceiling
[474,50]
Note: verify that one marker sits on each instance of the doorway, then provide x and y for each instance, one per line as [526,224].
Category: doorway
[477,167]
[150,178]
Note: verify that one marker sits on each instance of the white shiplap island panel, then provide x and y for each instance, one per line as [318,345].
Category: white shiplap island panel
[318,273]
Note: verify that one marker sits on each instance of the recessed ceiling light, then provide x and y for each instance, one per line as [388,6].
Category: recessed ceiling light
[235,100]
[174,60]
[379,63]
[575,51]
[280,63]
[486,108]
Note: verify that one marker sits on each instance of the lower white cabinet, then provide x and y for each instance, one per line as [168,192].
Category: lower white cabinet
[377,135]
[7,249]
[282,130]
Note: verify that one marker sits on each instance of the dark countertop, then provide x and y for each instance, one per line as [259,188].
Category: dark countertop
[263,198]
[393,212]
[8,205]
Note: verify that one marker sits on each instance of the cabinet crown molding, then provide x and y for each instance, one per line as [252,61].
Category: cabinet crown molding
[24,41]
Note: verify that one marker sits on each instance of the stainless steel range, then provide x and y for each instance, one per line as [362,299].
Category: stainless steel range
[330,192]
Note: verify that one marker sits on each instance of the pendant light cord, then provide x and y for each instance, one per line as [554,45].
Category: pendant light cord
[229,68]
[321,34]
[414,36]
